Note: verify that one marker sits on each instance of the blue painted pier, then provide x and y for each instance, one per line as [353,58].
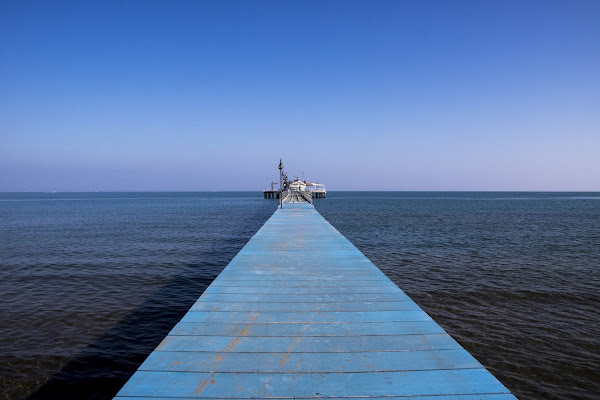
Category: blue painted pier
[302,313]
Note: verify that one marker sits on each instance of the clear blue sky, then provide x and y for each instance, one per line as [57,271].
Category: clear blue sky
[372,95]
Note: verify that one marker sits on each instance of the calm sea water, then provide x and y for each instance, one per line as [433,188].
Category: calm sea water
[91,283]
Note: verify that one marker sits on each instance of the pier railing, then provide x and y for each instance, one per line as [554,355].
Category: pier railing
[283,196]
[294,196]
[306,195]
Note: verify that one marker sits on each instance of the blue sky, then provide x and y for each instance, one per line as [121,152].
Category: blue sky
[365,95]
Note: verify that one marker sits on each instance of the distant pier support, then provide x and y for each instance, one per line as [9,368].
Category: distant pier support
[271,194]
[318,190]
[275,194]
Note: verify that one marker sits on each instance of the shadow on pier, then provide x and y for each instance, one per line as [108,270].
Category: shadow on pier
[105,365]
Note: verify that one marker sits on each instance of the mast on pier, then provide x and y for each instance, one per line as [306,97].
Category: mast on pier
[280,175]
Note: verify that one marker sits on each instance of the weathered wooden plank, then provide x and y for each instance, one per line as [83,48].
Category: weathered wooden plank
[309,362]
[307,344]
[304,317]
[303,262]
[295,329]
[406,305]
[502,396]
[307,269]
[295,273]
[276,278]
[302,290]
[295,298]
[337,281]
[438,382]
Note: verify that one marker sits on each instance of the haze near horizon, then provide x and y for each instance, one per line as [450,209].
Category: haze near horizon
[382,95]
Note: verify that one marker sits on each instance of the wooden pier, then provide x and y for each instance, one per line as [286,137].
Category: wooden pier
[301,313]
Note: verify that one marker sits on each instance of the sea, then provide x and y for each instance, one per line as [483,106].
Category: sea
[90,283]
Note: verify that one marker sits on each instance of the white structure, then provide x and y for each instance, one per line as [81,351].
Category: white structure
[298,185]
[315,187]
[307,189]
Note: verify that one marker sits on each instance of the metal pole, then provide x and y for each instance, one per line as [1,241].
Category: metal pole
[280,176]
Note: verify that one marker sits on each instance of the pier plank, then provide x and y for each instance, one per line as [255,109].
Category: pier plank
[301,313]
[406,305]
[330,317]
[306,344]
[320,330]
[366,290]
[301,298]
[502,396]
[167,361]
[230,385]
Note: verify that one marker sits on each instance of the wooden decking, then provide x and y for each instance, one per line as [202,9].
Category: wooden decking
[301,313]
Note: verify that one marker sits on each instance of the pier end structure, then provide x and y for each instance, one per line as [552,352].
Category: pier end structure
[314,190]
[301,313]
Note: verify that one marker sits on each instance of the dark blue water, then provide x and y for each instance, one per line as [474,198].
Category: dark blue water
[90,283]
